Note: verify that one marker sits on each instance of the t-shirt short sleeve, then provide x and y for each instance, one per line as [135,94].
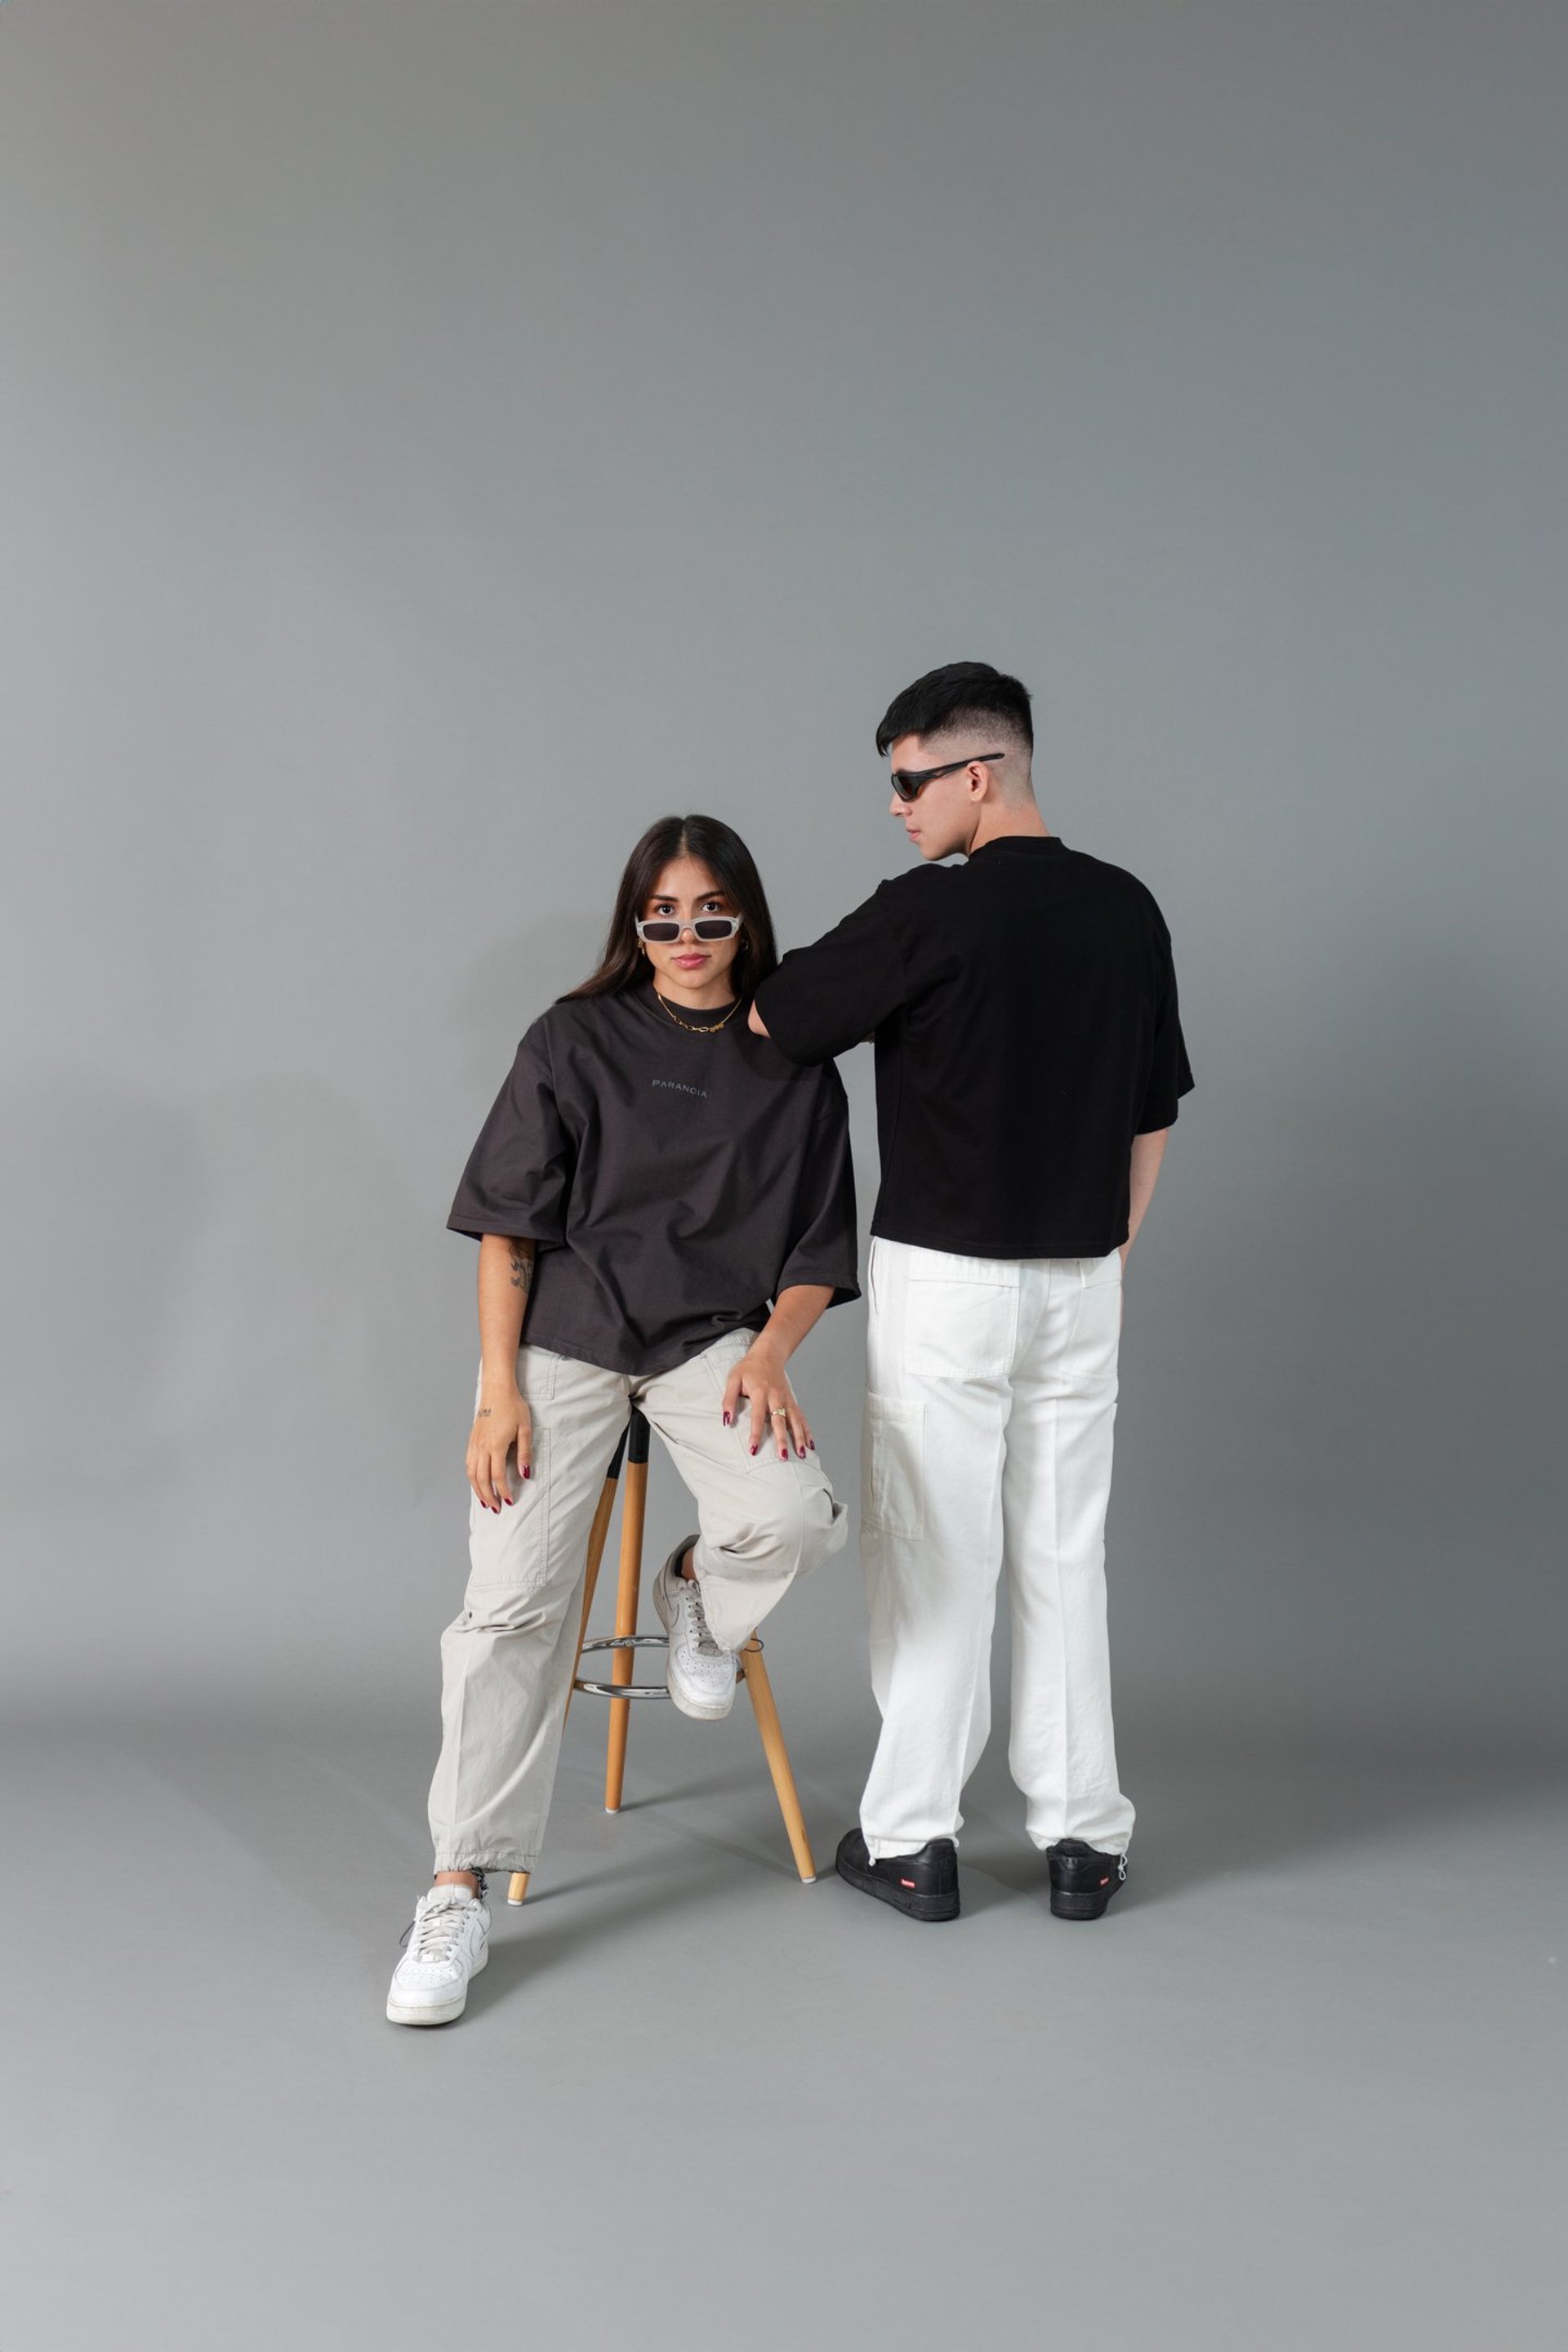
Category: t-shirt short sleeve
[823,1239]
[519,1172]
[1170,1072]
[827,997]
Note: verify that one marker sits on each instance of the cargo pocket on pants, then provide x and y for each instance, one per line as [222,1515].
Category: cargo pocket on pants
[892,1493]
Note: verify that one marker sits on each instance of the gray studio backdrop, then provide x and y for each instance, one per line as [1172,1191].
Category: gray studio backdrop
[439,439]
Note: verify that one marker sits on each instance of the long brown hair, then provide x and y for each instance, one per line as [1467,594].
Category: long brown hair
[719,848]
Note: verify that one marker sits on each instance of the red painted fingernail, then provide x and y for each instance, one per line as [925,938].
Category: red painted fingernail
[753,1449]
[529,1472]
[726,1421]
[801,1451]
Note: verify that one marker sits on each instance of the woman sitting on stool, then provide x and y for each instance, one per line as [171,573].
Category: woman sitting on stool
[652,1175]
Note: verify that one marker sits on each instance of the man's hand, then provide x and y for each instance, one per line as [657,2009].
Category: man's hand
[760,1379]
[501,1421]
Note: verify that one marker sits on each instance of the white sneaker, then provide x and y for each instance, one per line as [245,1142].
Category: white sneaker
[699,1675]
[450,1943]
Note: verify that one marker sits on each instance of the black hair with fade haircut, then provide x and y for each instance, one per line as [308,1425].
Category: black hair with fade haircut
[960,694]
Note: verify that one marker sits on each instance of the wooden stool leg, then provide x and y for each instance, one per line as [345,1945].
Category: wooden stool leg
[517,1888]
[596,1553]
[761,1691]
[633,1502]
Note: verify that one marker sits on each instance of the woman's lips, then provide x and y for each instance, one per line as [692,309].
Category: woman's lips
[688,963]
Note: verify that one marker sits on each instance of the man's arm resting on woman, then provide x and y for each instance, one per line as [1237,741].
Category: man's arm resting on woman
[754,1021]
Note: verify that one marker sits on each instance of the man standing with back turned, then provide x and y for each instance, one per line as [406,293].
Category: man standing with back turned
[1029,1061]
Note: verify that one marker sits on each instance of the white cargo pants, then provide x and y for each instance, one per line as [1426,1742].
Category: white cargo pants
[505,1660]
[987,1444]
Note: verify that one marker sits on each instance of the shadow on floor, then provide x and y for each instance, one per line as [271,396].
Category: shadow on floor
[328,1804]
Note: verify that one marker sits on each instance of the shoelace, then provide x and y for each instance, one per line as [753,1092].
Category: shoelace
[707,1647]
[437,1932]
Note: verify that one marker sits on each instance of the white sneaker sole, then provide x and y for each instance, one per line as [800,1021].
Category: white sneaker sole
[699,1710]
[447,2010]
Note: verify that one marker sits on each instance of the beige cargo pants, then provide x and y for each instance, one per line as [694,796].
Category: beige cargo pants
[506,1660]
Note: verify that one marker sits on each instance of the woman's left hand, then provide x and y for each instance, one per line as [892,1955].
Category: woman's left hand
[759,1378]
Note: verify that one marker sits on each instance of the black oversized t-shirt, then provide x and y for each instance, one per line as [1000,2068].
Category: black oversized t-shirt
[1023,1006]
[675,1183]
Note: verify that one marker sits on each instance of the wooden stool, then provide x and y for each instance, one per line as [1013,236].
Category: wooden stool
[620,1690]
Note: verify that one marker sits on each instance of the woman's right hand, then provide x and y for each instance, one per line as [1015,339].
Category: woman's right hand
[501,1422]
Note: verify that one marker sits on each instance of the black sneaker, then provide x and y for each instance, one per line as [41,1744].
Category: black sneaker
[924,1885]
[1083,1880]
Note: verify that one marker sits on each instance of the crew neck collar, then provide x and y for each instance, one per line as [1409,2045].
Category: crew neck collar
[1032,843]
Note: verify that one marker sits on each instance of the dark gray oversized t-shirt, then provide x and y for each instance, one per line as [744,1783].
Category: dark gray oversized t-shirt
[674,1183]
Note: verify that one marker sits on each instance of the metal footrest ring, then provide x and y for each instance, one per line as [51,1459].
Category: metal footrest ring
[642,1642]
[623,1690]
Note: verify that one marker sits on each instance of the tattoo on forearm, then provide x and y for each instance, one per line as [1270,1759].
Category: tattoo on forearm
[522,1268]
[483,1414]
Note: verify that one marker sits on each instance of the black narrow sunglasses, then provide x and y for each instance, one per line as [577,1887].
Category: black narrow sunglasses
[910,783]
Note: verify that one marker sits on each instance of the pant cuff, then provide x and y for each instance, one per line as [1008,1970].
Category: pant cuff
[891,1849]
[1117,1844]
[495,1865]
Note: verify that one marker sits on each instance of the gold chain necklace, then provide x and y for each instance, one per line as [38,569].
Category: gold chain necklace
[699,1028]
